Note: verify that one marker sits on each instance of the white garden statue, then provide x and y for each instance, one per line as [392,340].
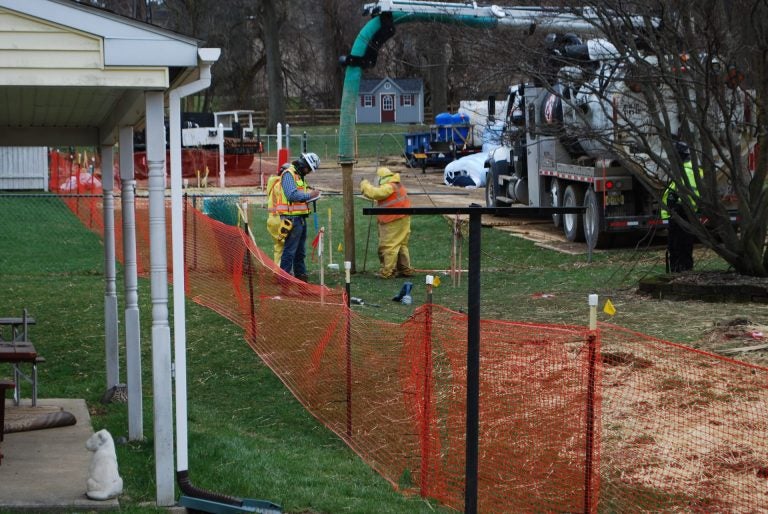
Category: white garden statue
[104,481]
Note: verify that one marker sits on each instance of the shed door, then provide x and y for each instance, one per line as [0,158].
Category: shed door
[387,108]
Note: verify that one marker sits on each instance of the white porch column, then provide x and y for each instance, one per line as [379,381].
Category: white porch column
[161,333]
[110,290]
[130,271]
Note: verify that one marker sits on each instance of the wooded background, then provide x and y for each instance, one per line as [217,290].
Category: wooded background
[293,47]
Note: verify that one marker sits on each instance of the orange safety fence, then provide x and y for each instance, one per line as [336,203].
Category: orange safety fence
[570,420]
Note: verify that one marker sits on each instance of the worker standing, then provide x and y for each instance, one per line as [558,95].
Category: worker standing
[292,197]
[679,240]
[276,227]
[394,229]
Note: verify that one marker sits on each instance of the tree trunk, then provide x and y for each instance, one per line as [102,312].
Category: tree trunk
[438,76]
[271,31]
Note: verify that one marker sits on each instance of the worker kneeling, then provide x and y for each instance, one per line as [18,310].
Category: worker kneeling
[394,229]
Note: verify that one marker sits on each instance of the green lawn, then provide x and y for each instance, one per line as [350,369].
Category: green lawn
[248,436]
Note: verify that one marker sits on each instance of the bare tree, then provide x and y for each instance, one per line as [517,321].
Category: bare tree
[688,74]
[340,18]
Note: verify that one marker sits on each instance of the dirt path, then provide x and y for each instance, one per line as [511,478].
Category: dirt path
[426,189]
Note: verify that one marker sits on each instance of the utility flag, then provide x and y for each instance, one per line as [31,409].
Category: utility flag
[608,308]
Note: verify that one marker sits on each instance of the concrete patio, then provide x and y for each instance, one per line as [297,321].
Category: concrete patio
[46,470]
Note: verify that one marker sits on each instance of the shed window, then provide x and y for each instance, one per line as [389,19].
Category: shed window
[367,101]
[406,100]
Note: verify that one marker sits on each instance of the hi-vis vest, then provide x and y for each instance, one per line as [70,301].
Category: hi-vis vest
[282,206]
[398,198]
[688,168]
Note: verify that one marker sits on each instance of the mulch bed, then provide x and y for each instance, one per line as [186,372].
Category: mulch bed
[707,286]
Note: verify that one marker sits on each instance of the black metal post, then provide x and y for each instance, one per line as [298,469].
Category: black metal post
[475,213]
[590,443]
[473,364]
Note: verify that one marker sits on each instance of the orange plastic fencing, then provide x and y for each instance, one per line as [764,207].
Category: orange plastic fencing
[570,420]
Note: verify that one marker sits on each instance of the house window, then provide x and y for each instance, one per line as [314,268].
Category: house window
[406,100]
[367,101]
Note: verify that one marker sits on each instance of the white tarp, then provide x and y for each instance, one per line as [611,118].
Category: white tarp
[477,111]
[473,166]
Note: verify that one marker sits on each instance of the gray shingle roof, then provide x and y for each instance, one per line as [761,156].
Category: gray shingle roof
[411,85]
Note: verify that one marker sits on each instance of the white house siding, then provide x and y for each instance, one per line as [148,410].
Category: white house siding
[33,44]
[24,168]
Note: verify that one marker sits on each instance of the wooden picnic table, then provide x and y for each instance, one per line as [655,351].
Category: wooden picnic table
[18,353]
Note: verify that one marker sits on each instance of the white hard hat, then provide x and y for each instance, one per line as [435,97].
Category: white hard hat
[311,160]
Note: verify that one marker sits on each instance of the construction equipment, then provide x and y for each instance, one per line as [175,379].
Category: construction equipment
[581,132]
[450,138]
[585,140]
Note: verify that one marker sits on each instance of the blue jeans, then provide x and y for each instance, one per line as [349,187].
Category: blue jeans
[295,251]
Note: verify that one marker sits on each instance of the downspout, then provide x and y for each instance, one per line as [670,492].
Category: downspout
[207,57]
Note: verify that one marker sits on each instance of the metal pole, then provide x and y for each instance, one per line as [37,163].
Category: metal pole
[348,335]
[427,398]
[349,213]
[473,364]
[475,213]
[590,436]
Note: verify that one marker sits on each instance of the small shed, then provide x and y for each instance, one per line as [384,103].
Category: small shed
[388,100]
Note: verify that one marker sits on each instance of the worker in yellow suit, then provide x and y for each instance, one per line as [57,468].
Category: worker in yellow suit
[394,229]
[275,226]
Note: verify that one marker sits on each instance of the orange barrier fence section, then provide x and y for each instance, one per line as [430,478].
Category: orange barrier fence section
[570,420]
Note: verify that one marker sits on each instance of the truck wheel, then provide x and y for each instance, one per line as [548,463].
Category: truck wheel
[573,224]
[593,220]
[556,197]
[491,191]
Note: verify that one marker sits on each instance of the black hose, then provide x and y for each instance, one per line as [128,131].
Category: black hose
[187,488]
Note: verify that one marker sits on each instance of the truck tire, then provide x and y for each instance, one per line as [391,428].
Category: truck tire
[573,224]
[593,220]
[556,197]
[491,190]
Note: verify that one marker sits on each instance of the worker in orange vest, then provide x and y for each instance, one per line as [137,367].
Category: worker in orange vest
[292,206]
[394,229]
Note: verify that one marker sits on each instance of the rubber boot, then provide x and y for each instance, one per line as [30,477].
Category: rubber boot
[404,291]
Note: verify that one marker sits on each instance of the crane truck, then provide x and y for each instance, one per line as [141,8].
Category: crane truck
[575,136]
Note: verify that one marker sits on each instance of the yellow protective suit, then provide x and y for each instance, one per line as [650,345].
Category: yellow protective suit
[273,220]
[394,230]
